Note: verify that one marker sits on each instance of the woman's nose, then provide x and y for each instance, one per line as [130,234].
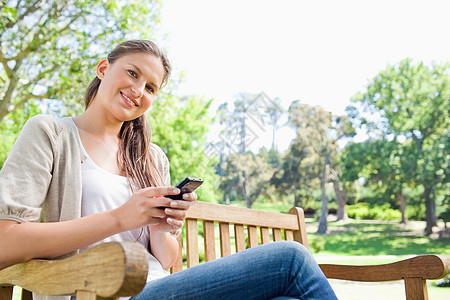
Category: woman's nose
[138,90]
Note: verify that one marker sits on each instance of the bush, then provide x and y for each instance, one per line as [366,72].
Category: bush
[445,282]
[415,212]
[363,211]
[316,244]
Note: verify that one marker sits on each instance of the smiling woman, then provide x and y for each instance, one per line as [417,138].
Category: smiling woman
[97,178]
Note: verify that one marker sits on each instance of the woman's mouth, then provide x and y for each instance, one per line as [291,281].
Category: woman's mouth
[129,100]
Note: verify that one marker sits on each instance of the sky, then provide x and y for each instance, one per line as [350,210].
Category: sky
[320,52]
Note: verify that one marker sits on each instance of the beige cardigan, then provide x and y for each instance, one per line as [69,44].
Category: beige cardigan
[41,178]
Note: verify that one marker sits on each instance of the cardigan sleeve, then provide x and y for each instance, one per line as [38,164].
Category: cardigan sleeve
[27,172]
[162,163]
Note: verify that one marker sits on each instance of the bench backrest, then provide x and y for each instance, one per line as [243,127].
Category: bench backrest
[250,228]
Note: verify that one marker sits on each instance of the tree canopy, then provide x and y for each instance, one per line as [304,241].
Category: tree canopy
[410,102]
[49,49]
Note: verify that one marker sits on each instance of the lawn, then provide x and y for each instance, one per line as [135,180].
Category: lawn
[366,242]
[375,242]
[365,237]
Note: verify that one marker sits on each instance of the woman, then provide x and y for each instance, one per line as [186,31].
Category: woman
[73,182]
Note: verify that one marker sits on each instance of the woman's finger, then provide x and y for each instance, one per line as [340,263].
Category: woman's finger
[176,213]
[175,222]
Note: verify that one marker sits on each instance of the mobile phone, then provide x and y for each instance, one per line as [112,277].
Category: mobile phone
[187,185]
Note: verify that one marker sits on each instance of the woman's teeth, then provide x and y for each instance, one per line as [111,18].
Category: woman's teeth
[128,99]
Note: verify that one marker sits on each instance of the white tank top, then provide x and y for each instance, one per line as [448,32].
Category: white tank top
[102,191]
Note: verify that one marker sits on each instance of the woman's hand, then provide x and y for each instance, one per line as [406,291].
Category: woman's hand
[148,206]
[175,214]
[144,207]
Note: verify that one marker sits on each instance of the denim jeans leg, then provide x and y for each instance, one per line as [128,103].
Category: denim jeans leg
[264,272]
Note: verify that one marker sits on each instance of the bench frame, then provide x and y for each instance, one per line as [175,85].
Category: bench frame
[92,275]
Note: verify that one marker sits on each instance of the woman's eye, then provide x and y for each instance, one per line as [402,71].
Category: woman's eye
[132,73]
[149,88]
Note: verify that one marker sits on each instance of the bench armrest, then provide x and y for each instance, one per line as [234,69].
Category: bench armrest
[423,266]
[108,270]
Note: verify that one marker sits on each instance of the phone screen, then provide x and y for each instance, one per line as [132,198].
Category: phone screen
[187,185]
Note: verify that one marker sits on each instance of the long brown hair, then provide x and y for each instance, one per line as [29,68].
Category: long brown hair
[135,158]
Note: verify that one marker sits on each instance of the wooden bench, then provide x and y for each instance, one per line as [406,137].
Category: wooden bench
[119,269]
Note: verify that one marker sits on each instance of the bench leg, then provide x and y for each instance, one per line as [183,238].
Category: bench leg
[84,295]
[416,289]
[6,292]
[27,295]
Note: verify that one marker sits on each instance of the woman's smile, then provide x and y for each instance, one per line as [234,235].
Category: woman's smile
[129,100]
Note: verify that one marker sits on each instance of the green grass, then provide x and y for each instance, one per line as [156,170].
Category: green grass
[375,242]
[368,237]
[362,242]
[377,238]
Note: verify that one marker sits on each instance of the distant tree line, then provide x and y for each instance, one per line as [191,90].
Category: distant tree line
[403,161]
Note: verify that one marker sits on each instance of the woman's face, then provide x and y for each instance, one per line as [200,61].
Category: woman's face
[128,86]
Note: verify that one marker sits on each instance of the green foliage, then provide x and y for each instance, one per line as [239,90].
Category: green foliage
[179,127]
[11,125]
[248,175]
[406,107]
[445,214]
[316,244]
[50,48]
[363,211]
[445,282]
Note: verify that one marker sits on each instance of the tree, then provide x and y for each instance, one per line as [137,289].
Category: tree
[298,172]
[342,129]
[312,126]
[247,175]
[274,112]
[412,103]
[385,166]
[311,158]
[180,127]
[12,125]
[49,49]
[240,127]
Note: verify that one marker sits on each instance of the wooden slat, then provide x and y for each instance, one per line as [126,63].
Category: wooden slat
[225,247]
[6,292]
[26,295]
[192,243]
[276,234]
[107,270]
[265,235]
[85,295]
[210,240]
[424,266]
[239,235]
[239,215]
[416,289]
[300,235]
[288,235]
[252,236]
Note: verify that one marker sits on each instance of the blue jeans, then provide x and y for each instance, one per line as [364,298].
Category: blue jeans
[263,272]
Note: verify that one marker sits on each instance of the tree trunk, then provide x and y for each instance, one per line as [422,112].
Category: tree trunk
[401,198]
[324,211]
[341,199]
[245,192]
[430,210]
[247,199]
[297,198]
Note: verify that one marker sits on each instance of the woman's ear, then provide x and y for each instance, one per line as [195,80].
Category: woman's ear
[101,68]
